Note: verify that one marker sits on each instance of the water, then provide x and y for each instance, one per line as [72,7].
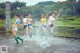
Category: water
[36,44]
[44,42]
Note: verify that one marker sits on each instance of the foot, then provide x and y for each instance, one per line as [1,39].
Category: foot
[17,43]
[22,40]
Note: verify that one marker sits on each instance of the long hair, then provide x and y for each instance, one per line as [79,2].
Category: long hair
[19,17]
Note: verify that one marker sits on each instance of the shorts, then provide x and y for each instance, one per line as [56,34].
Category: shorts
[25,26]
[51,25]
[44,25]
[29,25]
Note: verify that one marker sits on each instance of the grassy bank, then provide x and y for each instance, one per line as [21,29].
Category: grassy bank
[2,25]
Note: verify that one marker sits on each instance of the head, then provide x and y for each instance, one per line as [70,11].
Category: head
[53,14]
[42,16]
[26,16]
[17,16]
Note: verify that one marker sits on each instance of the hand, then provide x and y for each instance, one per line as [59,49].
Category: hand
[49,11]
[60,10]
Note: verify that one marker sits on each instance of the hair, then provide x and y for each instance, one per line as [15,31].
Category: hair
[52,12]
[25,15]
[18,16]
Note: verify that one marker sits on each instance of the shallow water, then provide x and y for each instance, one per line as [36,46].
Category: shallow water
[38,44]
[42,42]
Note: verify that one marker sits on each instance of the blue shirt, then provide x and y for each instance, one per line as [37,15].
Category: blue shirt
[18,21]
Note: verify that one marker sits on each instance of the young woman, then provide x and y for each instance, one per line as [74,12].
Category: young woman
[43,21]
[25,22]
[30,22]
[51,20]
[15,28]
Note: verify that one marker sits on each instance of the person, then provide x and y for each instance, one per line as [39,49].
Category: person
[30,22]
[44,21]
[25,22]
[14,29]
[51,20]
[16,24]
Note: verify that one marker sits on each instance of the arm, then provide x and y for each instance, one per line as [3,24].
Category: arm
[47,13]
[30,20]
[13,26]
[21,19]
[59,13]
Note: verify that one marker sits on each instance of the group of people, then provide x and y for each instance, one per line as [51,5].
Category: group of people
[27,21]
[27,26]
[50,20]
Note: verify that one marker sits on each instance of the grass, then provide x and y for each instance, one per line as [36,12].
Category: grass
[2,23]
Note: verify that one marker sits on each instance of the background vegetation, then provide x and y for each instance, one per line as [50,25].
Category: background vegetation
[69,17]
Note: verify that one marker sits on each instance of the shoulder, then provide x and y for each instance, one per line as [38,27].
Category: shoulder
[17,19]
[50,16]
[25,19]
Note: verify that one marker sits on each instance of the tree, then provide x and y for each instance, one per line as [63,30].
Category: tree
[2,13]
[17,4]
[71,0]
[2,5]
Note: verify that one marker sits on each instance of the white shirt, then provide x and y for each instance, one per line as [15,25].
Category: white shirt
[51,19]
[25,21]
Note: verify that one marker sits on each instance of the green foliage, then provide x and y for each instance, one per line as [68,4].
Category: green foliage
[2,5]
[14,6]
[2,23]
[41,4]
[17,4]
[40,8]
[68,20]
[2,13]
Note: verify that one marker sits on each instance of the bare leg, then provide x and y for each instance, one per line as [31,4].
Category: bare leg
[26,31]
[14,32]
[51,29]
